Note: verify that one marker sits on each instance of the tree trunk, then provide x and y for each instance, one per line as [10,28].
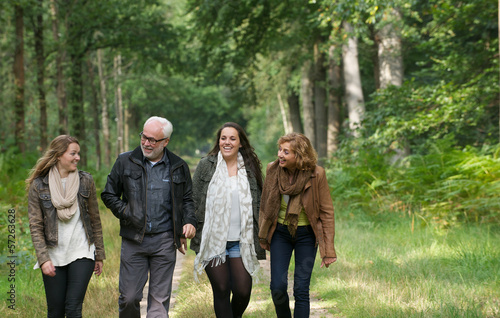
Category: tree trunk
[286,124]
[294,111]
[352,79]
[320,110]
[40,75]
[77,109]
[119,104]
[126,118]
[307,101]
[334,101]
[95,112]
[104,114]
[62,103]
[388,41]
[19,111]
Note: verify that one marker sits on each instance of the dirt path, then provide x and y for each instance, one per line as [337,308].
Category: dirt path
[317,309]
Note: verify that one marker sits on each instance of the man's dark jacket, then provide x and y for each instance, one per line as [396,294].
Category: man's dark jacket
[125,194]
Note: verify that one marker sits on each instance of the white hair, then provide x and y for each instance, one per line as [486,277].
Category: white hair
[167,126]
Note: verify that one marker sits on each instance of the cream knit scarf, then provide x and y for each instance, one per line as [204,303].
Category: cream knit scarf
[217,217]
[64,201]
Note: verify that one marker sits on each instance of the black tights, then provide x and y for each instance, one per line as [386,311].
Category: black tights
[230,276]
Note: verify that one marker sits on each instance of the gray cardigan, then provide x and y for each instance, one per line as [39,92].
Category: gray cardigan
[201,179]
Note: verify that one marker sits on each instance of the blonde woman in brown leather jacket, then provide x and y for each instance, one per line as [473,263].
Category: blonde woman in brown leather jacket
[65,226]
[296,215]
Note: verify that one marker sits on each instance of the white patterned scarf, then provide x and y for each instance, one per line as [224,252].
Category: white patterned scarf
[65,201]
[217,217]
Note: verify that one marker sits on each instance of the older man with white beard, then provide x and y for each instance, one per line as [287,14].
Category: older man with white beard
[149,191]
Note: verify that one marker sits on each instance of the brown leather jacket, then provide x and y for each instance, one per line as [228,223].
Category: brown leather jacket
[318,207]
[43,216]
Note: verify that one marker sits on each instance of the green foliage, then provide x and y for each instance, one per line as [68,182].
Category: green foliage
[446,185]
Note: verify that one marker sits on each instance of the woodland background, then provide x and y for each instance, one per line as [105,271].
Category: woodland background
[400,98]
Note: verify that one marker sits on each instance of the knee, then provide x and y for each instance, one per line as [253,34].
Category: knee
[221,289]
[73,310]
[242,293]
[129,299]
[301,293]
[279,284]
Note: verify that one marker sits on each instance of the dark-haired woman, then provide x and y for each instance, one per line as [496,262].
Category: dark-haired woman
[227,187]
[296,215]
[65,226]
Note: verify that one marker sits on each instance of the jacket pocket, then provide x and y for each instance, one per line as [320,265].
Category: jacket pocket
[132,180]
[46,201]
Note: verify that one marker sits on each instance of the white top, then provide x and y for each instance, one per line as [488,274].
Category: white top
[71,241]
[235,222]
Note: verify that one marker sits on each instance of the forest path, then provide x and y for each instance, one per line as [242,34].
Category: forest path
[317,310]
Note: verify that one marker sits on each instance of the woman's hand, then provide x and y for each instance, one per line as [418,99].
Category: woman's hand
[48,269]
[327,261]
[265,245]
[98,267]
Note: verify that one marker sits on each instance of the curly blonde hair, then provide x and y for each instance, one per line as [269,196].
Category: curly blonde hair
[304,151]
[57,148]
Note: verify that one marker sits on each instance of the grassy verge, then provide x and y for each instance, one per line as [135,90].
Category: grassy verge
[386,269]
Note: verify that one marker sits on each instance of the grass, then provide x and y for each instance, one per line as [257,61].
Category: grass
[387,267]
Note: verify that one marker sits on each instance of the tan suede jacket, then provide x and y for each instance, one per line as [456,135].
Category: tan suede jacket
[318,207]
[43,216]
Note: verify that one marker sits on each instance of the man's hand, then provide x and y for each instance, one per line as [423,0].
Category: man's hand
[183,247]
[189,231]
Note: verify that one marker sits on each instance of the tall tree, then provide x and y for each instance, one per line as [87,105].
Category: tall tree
[118,103]
[104,109]
[352,79]
[307,94]
[94,102]
[293,102]
[334,99]
[19,79]
[388,40]
[320,109]
[40,73]
[60,80]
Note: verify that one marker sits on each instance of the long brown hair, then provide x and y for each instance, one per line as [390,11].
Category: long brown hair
[301,145]
[57,148]
[250,158]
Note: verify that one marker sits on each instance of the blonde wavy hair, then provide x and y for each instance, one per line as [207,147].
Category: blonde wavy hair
[307,157]
[57,148]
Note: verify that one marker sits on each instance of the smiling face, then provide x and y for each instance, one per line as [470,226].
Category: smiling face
[68,161]
[154,153]
[229,143]
[287,157]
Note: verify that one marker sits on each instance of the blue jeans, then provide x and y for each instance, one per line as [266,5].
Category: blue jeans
[282,246]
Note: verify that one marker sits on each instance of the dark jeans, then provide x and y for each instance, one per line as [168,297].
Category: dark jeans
[282,246]
[156,255]
[65,291]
